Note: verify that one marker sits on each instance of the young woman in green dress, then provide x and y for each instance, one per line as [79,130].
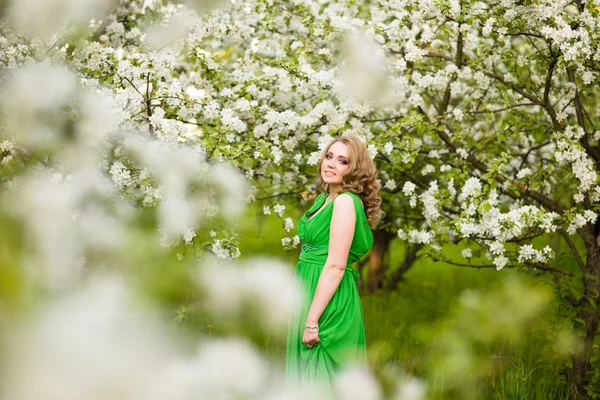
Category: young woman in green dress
[328,333]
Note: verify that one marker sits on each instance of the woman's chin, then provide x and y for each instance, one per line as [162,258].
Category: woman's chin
[329,180]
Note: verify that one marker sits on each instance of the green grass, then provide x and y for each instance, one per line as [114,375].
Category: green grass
[394,320]
[523,378]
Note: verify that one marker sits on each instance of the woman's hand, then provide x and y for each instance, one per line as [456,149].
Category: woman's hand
[310,338]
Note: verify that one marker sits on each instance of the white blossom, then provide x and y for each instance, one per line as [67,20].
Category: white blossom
[523,173]
[279,209]
[120,175]
[472,188]
[289,224]
[500,262]
[388,148]
[390,185]
[458,114]
[409,188]
[422,236]
[497,248]
[428,169]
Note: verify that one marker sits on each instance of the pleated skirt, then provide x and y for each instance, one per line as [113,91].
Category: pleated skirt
[341,331]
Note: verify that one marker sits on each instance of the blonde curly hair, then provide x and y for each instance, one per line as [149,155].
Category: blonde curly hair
[361,178]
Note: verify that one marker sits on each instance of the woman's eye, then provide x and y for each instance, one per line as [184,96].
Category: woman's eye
[328,156]
[344,162]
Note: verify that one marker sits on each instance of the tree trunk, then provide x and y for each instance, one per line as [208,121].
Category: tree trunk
[377,262]
[408,262]
[589,313]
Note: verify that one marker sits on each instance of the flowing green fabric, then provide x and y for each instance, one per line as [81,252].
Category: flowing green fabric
[341,327]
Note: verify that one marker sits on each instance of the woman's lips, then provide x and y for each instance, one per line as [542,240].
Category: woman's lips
[329,173]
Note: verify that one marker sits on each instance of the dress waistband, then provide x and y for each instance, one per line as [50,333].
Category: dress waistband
[318,255]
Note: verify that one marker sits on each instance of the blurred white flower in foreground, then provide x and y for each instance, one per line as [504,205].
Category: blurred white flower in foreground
[100,344]
[45,17]
[232,186]
[46,110]
[357,384]
[363,76]
[175,28]
[222,369]
[92,345]
[265,285]
[175,167]
[412,389]
[35,101]
[64,217]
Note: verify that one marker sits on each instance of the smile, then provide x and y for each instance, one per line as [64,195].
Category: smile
[329,173]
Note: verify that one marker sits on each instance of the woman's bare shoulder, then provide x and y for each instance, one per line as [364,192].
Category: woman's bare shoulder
[344,200]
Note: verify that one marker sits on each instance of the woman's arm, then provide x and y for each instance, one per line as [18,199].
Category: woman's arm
[341,234]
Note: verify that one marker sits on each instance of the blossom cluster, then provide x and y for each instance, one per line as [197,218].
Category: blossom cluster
[266,86]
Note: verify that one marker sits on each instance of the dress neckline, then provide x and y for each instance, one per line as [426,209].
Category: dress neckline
[322,207]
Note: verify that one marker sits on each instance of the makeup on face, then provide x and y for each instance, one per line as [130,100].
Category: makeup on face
[335,164]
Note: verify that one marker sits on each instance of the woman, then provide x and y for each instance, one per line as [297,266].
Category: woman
[329,332]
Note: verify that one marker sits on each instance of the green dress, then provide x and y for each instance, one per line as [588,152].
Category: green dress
[341,327]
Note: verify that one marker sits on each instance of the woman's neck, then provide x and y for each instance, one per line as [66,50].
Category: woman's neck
[334,191]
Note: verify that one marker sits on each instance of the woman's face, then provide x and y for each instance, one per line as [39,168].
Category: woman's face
[335,164]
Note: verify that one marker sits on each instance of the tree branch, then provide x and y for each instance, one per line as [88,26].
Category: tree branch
[536,35]
[502,109]
[577,100]
[280,195]
[516,240]
[408,261]
[546,268]
[516,88]
[548,83]
[459,50]
[438,55]
[382,119]
[581,119]
[149,104]
[480,101]
[543,200]
[573,250]
[524,160]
